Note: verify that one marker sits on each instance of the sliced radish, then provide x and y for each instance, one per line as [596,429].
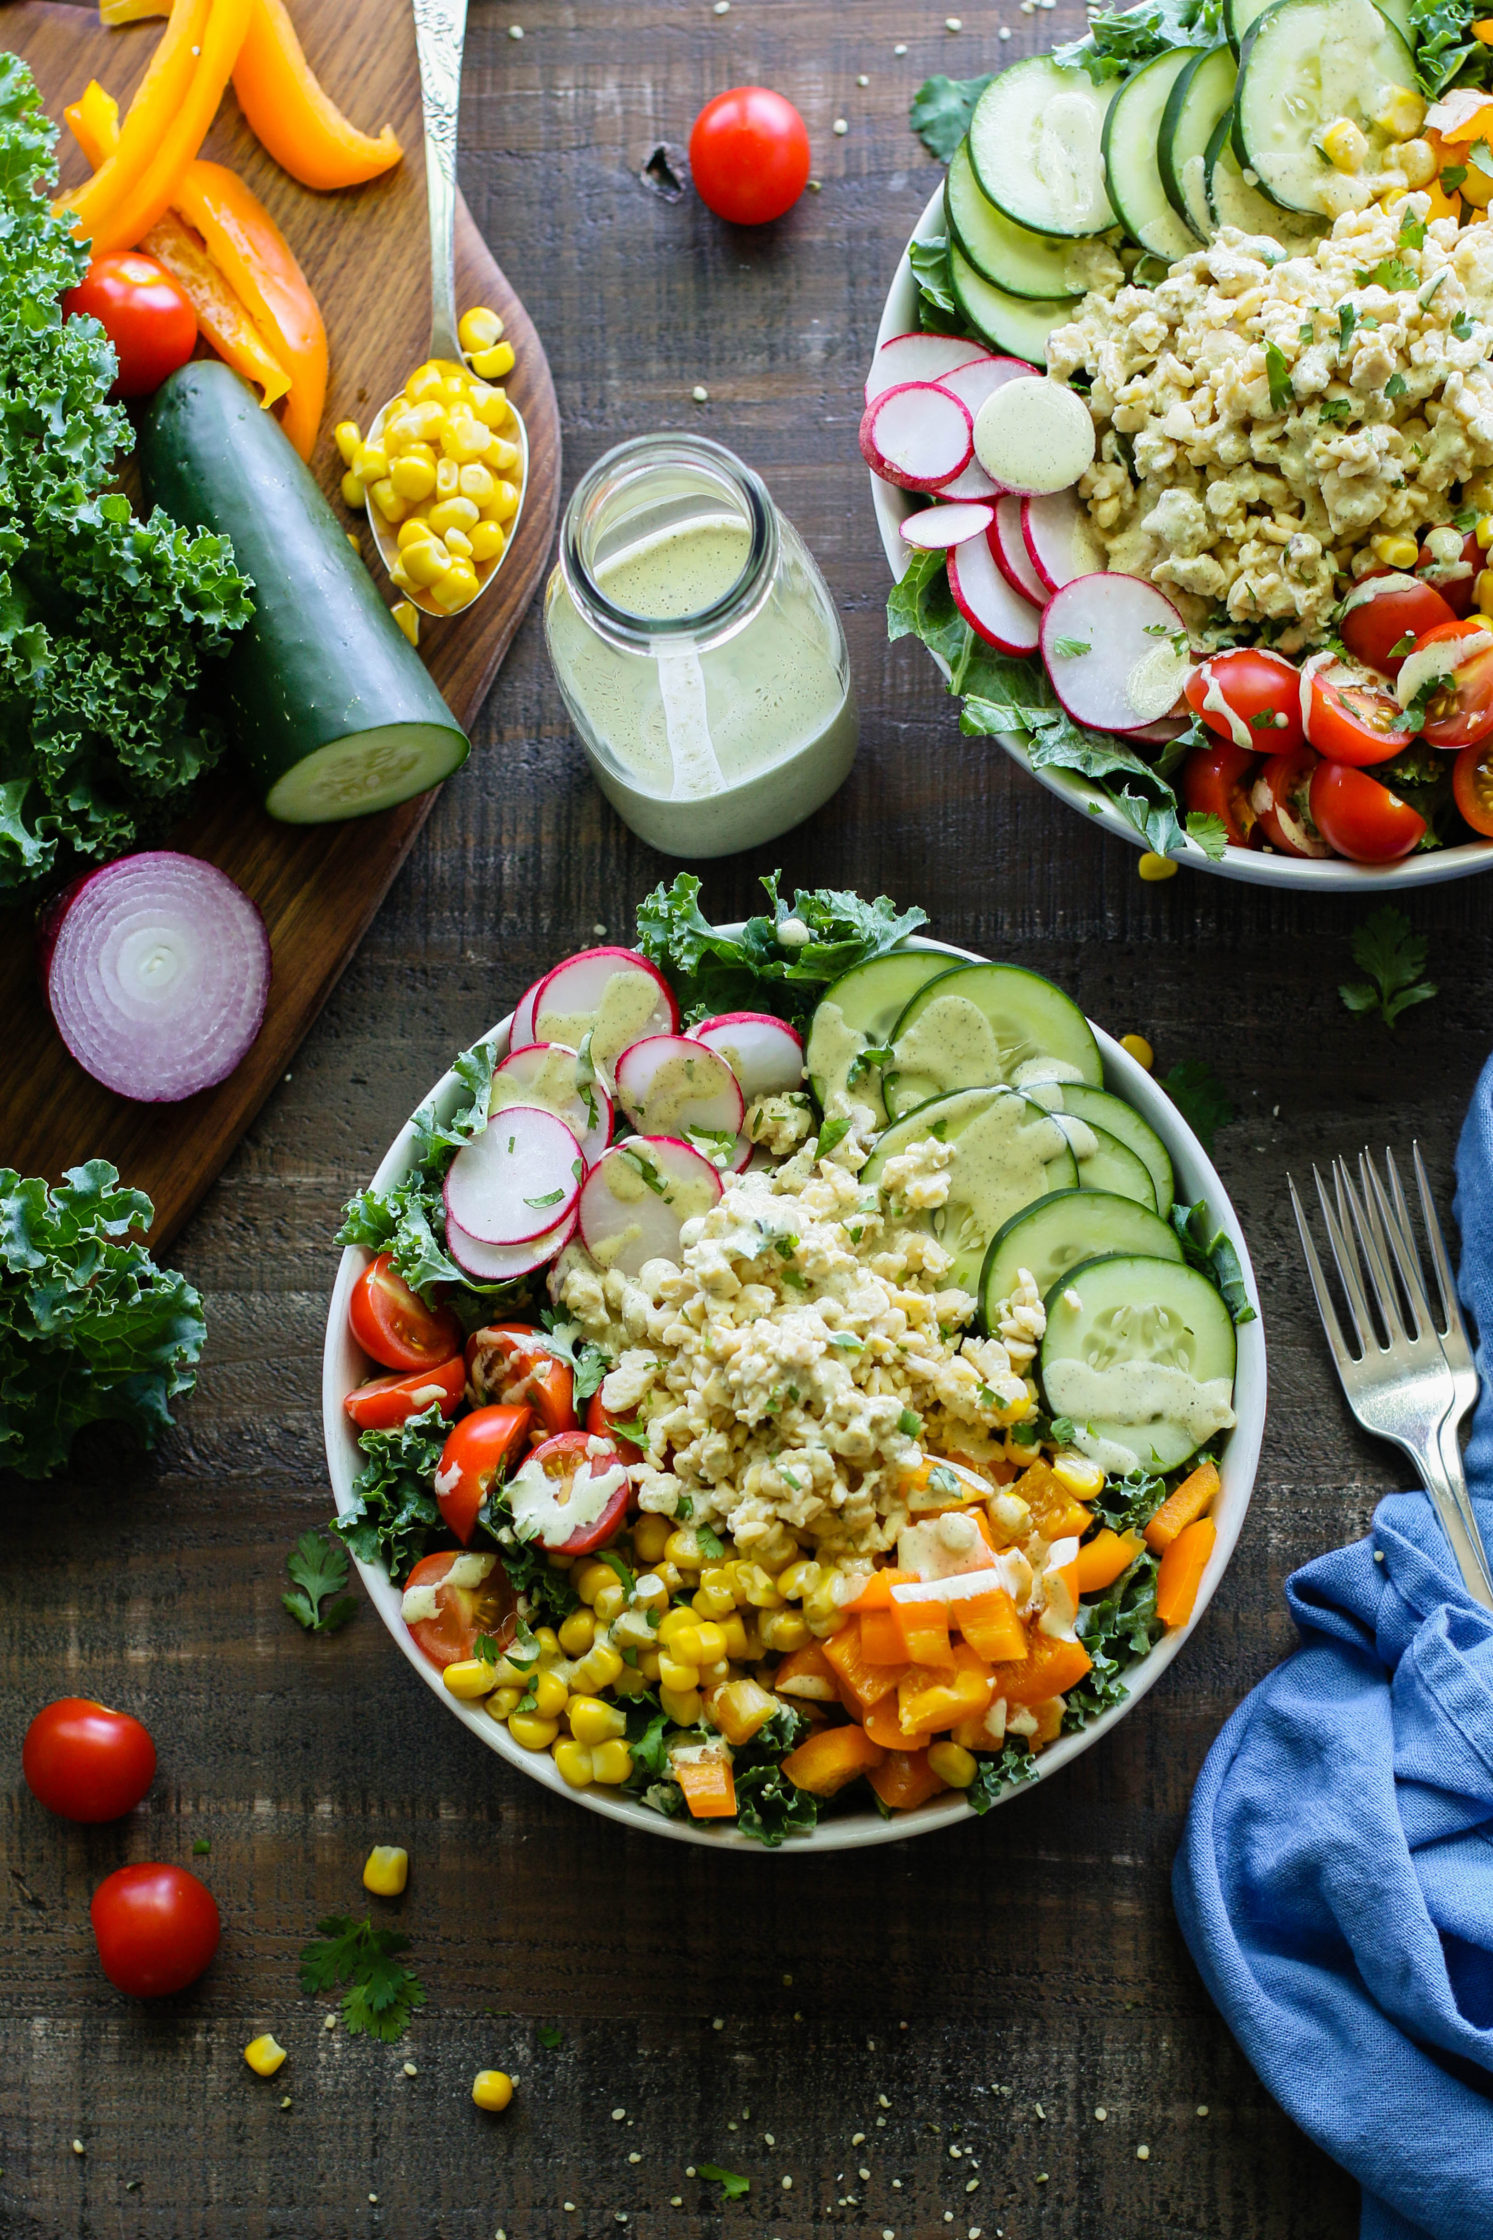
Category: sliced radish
[1034,435]
[520,1177]
[765,1054]
[521,1030]
[974,484]
[613,995]
[669,1085]
[1116,651]
[980,379]
[1011,555]
[996,613]
[937,527]
[1157,734]
[637,1199]
[505,1263]
[550,1076]
[917,436]
[1060,538]
[917,357]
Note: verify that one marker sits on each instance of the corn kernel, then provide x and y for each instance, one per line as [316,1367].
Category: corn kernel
[386,1870]
[531,1732]
[413,473]
[738,1642]
[481,487]
[1395,551]
[424,383]
[348,437]
[1484,591]
[1344,145]
[397,575]
[1403,114]
[590,1578]
[387,499]
[649,1664]
[715,1675]
[757,1587]
[682,1705]
[611,1764]
[953,1763]
[714,1602]
[492,2090]
[608,1600]
[783,1629]
[490,406]
[464,439]
[1139,1049]
[798,1580]
[683,1547]
[460,548]
[630,1682]
[426,562]
[1154,868]
[598,1668]
[577,1633]
[592,1721]
[549,1643]
[479,328]
[502,454]
[371,463]
[676,1675]
[503,1701]
[263,2055]
[408,619]
[1083,1479]
[550,1695]
[416,530]
[709,1644]
[452,513]
[503,503]
[776,1550]
[1484,531]
[491,365]
[574,1762]
[422,423]
[470,1678]
[353,493]
[650,1535]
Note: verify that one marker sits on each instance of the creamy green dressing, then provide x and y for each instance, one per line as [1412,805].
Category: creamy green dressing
[1123,1394]
[549,1085]
[627,1006]
[834,1047]
[999,1166]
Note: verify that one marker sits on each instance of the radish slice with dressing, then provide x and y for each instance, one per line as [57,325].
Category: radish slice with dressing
[1060,538]
[1034,435]
[157,971]
[638,1197]
[613,995]
[1116,651]
[917,436]
[521,1028]
[765,1054]
[939,526]
[996,613]
[671,1085]
[1011,555]
[550,1076]
[917,357]
[505,1263]
[520,1177]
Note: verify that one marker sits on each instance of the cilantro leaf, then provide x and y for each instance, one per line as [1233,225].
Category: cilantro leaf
[1210,833]
[732,2186]
[319,1568]
[589,1365]
[827,931]
[382,1993]
[1200,1097]
[1278,374]
[1394,958]
[550,2037]
[1071,649]
[394,1511]
[941,110]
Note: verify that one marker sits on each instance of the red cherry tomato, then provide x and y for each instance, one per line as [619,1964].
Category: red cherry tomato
[157,1928]
[482,1444]
[510,1361]
[1460,711]
[465,1609]
[1261,689]
[1472,786]
[549,1479]
[1360,818]
[1216,782]
[1281,802]
[86,1762]
[394,1327]
[1458,595]
[1379,627]
[600,1426]
[749,155]
[387,1401]
[1350,720]
[143,312]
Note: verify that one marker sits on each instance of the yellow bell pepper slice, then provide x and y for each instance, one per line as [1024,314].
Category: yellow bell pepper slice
[293,117]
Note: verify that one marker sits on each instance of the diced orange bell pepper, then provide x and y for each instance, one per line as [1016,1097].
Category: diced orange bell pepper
[738,1708]
[1049,1668]
[905,1779]
[1181,1569]
[883,1723]
[248,247]
[924,1629]
[882,1640]
[1101,1560]
[1049,1718]
[989,1623]
[861,1683]
[930,1698]
[291,115]
[830,1759]
[876,1594]
[1055,1513]
[806,1675]
[1193,1497]
[709,1786]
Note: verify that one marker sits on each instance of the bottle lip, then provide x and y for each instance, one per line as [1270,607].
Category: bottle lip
[630,462]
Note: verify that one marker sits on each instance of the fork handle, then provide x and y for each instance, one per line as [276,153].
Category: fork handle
[1449,1496]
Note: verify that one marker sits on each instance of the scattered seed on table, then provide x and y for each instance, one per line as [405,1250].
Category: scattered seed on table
[718,2024]
[373,2197]
[285,2103]
[839,128]
[515,30]
[1142,2154]
[78,2147]
[1203,2110]
[900,48]
[768,2140]
[1041,2177]
[1101,2115]
[329,2022]
[410,2070]
[619,2115]
[953,23]
[863,80]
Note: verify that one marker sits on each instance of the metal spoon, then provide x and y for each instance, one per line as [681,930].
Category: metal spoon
[440,33]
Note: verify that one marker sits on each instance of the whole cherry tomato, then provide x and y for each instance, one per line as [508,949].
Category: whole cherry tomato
[1216,782]
[85,1762]
[1459,711]
[1360,818]
[1472,786]
[1384,615]
[600,1426]
[468,1597]
[143,312]
[556,1478]
[1281,799]
[482,1444]
[1350,720]
[386,1402]
[510,1361]
[1261,696]
[395,1327]
[749,155]
[156,1927]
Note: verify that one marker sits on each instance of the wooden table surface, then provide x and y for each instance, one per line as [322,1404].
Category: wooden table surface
[988,1989]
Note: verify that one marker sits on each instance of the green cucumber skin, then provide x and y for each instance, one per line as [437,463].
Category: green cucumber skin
[321,659]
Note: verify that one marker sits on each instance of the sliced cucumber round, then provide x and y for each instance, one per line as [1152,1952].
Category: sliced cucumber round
[973,1027]
[1025,264]
[1139,1354]
[1240,15]
[1109,1165]
[1034,143]
[1017,326]
[1303,64]
[1234,202]
[1201,96]
[858,1012]
[1008,1151]
[1132,129]
[1055,1234]
[1103,1109]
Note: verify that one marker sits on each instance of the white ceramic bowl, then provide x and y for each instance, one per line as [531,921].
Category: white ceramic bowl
[1311,875]
[344,1366]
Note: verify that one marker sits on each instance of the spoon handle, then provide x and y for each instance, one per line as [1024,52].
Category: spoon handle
[440,31]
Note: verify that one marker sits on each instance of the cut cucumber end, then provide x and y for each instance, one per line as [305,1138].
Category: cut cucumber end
[367,771]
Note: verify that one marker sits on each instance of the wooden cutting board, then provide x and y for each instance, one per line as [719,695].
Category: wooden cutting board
[365,252]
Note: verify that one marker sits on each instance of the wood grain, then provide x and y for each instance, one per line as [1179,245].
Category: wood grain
[366,255]
[1037,1950]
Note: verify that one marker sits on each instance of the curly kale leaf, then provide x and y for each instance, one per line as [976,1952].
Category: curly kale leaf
[1443,45]
[1015,1764]
[394,1514]
[1119,41]
[780,963]
[1118,1630]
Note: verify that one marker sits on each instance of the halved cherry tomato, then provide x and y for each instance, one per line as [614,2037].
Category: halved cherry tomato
[1472,786]
[1382,621]
[1460,711]
[465,1608]
[1350,720]
[481,1445]
[1261,689]
[85,1762]
[1216,782]
[546,1487]
[1459,595]
[1280,801]
[1360,818]
[156,1927]
[394,1327]
[388,1401]
[510,1361]
[600,1425]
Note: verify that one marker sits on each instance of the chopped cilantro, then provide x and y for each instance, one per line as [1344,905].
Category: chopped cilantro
[1278,374]
[1395,385]
[318,1568]
[1071,649]
[383,1994]
[1394,959]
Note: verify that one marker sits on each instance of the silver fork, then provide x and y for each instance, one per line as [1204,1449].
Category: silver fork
[1450,1325]
[1400,1387]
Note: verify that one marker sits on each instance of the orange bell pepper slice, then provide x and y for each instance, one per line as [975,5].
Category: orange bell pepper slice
[931,1698]
[1181,1569]
[1193,1497]
[882,1639]
[883,1723]
[252,253]
[831,1759]
[292,117]
[990,1624]
[924,1628]
[709,1786]
[1049,1668]
[861,1682]
[112,12]
[806,1675]
[1100,1561]
[905,1779]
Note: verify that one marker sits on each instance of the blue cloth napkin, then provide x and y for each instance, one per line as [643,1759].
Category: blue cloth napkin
[1335,1882]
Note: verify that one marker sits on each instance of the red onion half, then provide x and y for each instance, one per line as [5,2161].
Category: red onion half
[157,972]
